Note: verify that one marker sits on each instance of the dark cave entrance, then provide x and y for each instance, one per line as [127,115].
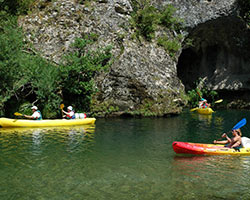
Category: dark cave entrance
[218,50]
[194,64]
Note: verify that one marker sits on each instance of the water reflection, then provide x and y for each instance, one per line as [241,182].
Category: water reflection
[229,168]
[35,141]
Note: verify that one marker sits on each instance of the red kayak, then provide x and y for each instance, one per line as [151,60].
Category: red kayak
[208,149]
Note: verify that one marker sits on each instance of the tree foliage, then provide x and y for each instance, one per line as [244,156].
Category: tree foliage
[146,20]
[27,78]
[16,7]
[24,76]
[78,71]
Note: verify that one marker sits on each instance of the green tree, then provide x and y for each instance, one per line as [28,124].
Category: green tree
[16,7]
[79,68]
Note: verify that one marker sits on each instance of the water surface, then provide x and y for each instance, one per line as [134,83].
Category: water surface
[123,159]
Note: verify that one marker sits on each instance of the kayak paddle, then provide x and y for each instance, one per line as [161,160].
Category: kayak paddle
[61,106]
[18,114]
[199,94]
[193,109]
[240,124]
[218,101]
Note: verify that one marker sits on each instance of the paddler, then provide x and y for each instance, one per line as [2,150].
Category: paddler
[203,103]
[234,142]
[70,114]
[37,115]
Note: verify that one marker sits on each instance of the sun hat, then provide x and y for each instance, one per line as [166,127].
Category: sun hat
[70,108]
[34,107]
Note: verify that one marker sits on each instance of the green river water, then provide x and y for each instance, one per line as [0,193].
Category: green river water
[123,159]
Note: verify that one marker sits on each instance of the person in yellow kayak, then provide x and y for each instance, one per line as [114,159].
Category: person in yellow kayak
[70,114]
[203,103]
[234,142]
[37,115]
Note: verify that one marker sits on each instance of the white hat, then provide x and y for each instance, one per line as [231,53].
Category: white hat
[70,108]
[34,107]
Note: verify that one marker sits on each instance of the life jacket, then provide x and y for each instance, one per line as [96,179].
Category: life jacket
[204,105]
[40,118]
[70,117]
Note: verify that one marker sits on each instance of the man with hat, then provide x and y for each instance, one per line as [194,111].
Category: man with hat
[70,114]
[37,115]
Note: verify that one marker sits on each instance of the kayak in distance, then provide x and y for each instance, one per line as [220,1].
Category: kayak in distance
[205,111]
[9,123]
[209,149]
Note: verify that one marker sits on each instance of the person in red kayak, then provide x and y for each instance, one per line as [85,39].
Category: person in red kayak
[233,142]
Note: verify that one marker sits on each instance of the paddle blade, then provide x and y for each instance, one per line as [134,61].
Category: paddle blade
[193,109]
[240,124]
[62,106]
[18,114]
[199,94]
[218,101]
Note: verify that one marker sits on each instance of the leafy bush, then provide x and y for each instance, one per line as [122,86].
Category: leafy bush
[168,20]
[79,69]
[28,79]
[10,69]
[146,20]
[16,7]
[24,76]
[170,46]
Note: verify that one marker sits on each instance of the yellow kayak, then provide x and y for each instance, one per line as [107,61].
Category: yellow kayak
[205,111]
[9,123]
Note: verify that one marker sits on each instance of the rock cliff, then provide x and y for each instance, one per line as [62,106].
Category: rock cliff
[143,77]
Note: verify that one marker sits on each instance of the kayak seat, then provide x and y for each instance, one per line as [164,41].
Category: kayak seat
[238,148]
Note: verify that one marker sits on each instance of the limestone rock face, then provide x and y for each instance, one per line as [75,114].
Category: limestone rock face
[143,76]
[196,12]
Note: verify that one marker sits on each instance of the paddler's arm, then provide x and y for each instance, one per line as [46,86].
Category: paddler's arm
[28,116]
[223,141]
[225,136]
[64,112]
[220,142]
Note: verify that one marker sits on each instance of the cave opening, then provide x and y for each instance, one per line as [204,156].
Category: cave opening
[194,64]
[218,50]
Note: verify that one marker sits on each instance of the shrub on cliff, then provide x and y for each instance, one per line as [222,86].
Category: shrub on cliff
[79,69]
[146,20]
